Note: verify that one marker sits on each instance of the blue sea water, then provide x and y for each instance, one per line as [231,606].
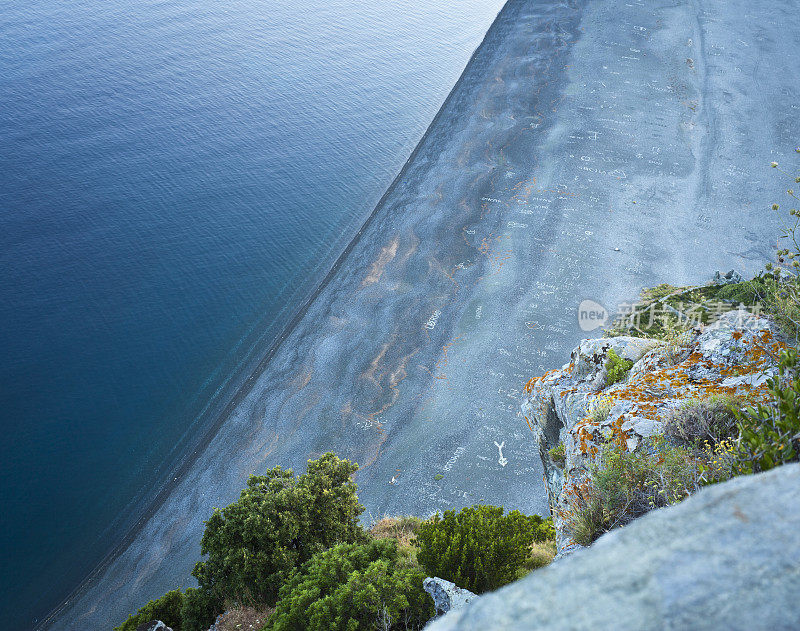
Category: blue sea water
[175,177]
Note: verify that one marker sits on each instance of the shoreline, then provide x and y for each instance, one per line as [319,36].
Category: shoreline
[520,207]
[175,476]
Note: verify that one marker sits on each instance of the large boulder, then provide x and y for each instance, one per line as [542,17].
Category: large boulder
[728,558]
[446,596]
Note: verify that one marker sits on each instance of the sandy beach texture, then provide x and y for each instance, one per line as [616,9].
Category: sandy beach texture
[590,149]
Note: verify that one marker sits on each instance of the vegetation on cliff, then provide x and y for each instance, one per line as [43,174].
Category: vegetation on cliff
[690,404]
[291,550]
[280,521]
[479,548]
[353,586]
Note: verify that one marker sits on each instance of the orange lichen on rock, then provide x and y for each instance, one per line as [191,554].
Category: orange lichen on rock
[734,357]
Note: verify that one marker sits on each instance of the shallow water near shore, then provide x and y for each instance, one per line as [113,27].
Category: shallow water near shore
[175,178]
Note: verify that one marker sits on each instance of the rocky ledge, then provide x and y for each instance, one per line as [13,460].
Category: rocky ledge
[727,557]
[734,356]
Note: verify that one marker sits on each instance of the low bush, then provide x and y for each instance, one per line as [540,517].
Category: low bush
[558,455]
[277,524]
[586,518]
[479,548]
[700,421]
[402,529]
[631,484]
[242,619]
[616,368]
[167,609]
[749,292]
[351,587]
[542,553]
[200,609]
[625,485]
[659,292]
[770,433]
[601,409]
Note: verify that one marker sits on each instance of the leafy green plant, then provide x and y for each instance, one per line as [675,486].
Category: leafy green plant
[558,455]
[544,530]
[167,609]
[277,524]
[631,484]
[351,587]
[616,368]
[200,609]
[770,433]
[479,548]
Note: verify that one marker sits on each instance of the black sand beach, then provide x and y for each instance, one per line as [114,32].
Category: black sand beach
[590,149]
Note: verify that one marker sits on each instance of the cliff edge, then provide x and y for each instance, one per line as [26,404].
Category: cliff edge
[574,411]
[726,558]
[724,553]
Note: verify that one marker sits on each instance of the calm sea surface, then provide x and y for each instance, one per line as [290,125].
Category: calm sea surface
[174,179]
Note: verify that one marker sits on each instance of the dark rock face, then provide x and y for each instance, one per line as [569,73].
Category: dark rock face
[725,558]
[446,596]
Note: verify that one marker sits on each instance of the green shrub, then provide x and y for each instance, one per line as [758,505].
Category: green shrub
[616,368]
[558,455]
[704,420]
[544,530]
[479,548]
[632,484]
[167,609]
[351,587]
[199,610]
[279,522]
[749,292]
[770,434]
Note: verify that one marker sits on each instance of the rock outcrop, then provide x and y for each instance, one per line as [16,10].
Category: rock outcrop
[575,407]
[727,557]
[446,596]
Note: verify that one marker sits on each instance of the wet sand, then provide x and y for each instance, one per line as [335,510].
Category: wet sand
[590,149]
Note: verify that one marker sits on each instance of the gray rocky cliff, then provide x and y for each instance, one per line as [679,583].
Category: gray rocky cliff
[734,356]
[727,557]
